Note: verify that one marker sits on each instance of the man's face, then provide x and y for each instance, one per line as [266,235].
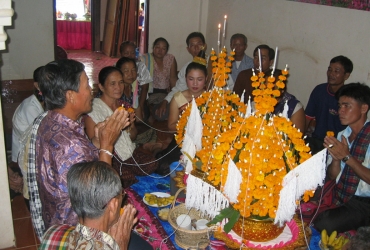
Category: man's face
[265,59]
[336,74]
[195,45]
[83,99]
[350,111]
[239,46]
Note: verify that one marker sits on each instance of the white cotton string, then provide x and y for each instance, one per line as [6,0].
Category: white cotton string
[232,185]
[204,197]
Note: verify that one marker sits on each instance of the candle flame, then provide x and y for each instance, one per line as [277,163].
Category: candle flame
[219,26]
[225,16]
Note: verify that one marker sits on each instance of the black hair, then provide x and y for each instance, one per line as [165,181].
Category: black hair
[104,73]
[36,77]
[238,35]
[264,46]
[345,62]
[124,60]
[194,65]
[195,34]
[56,78]
[161,39]
[358,91]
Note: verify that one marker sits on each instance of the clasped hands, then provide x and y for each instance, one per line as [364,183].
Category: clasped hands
[337,149]
[109,130]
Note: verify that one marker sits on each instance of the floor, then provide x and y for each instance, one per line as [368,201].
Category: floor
[23,229]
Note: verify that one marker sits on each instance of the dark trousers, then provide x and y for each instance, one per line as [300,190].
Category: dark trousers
[352,215]
[136,242]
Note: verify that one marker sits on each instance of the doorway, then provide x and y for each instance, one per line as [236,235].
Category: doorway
[100,25]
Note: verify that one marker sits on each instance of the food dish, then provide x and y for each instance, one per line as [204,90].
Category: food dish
[161,195]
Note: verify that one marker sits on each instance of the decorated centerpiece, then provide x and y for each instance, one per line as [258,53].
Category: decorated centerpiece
[239,158]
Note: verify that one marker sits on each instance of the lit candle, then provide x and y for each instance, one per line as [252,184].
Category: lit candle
[224,32]
[273,67]
[218,37]
[260,60]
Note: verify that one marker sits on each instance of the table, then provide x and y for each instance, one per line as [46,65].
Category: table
[74,35]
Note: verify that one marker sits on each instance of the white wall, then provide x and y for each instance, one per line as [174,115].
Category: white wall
[175,20]
[30,39]
[307,35]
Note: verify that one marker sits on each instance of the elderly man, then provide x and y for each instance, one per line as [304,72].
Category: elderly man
[58,141]
[238,43]
[350,166]
[96,195]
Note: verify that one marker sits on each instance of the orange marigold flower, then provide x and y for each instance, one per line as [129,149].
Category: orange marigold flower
[285,72]
[280,85]
[254,78]
[329,133]
[255,84]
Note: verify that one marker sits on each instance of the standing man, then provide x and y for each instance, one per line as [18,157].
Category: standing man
[238,43]
[322,106]
[350,166]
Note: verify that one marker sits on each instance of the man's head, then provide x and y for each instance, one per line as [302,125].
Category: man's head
[127,49]
[353,102]
[339,70]
[361,240]
[36,77]
[239,43]
[195,42]
[94,189]
[267,57]
[59,78]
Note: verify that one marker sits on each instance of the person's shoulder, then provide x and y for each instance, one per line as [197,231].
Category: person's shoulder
[246,72]
[320,87]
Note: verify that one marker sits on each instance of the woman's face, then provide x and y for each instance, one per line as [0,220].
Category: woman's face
[129,72]
[113,86]
[160,49]
[196,81]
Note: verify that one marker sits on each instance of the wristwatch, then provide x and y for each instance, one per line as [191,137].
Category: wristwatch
[346,158]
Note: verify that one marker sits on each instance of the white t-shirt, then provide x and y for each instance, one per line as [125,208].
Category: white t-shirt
[23,117]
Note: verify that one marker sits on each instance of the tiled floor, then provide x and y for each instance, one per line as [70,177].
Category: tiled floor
[23,230]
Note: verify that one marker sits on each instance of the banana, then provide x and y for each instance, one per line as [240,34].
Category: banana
[332,237]
[324,238]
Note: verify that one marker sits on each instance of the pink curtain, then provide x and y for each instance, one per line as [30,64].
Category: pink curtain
[73,35]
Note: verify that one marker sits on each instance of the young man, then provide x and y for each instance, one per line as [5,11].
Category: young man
[195,42]
[238,43]
[350,166]
[322,106]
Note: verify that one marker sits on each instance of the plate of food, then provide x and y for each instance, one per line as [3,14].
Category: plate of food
[158,199]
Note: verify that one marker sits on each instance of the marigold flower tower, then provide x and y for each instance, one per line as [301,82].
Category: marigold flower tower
[246,161]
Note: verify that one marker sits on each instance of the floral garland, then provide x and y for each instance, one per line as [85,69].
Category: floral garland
[264,147]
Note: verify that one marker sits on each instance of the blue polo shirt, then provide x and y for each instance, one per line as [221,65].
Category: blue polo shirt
[323,107]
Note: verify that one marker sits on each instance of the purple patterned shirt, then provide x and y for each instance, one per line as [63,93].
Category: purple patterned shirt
[60,143]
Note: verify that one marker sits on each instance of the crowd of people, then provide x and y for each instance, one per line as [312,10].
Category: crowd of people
[78,155]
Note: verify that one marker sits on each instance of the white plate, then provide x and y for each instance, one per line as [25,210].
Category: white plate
[159,194]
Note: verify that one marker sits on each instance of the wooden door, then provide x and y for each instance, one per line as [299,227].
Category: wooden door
[111,20]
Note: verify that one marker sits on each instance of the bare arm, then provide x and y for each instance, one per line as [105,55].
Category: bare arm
[299,120]
[132,128]
[142,98]
[173,73]
[173,116]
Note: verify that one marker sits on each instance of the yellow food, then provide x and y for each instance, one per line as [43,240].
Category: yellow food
[332,238]
[324,238]
[152,199]
[163,213]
